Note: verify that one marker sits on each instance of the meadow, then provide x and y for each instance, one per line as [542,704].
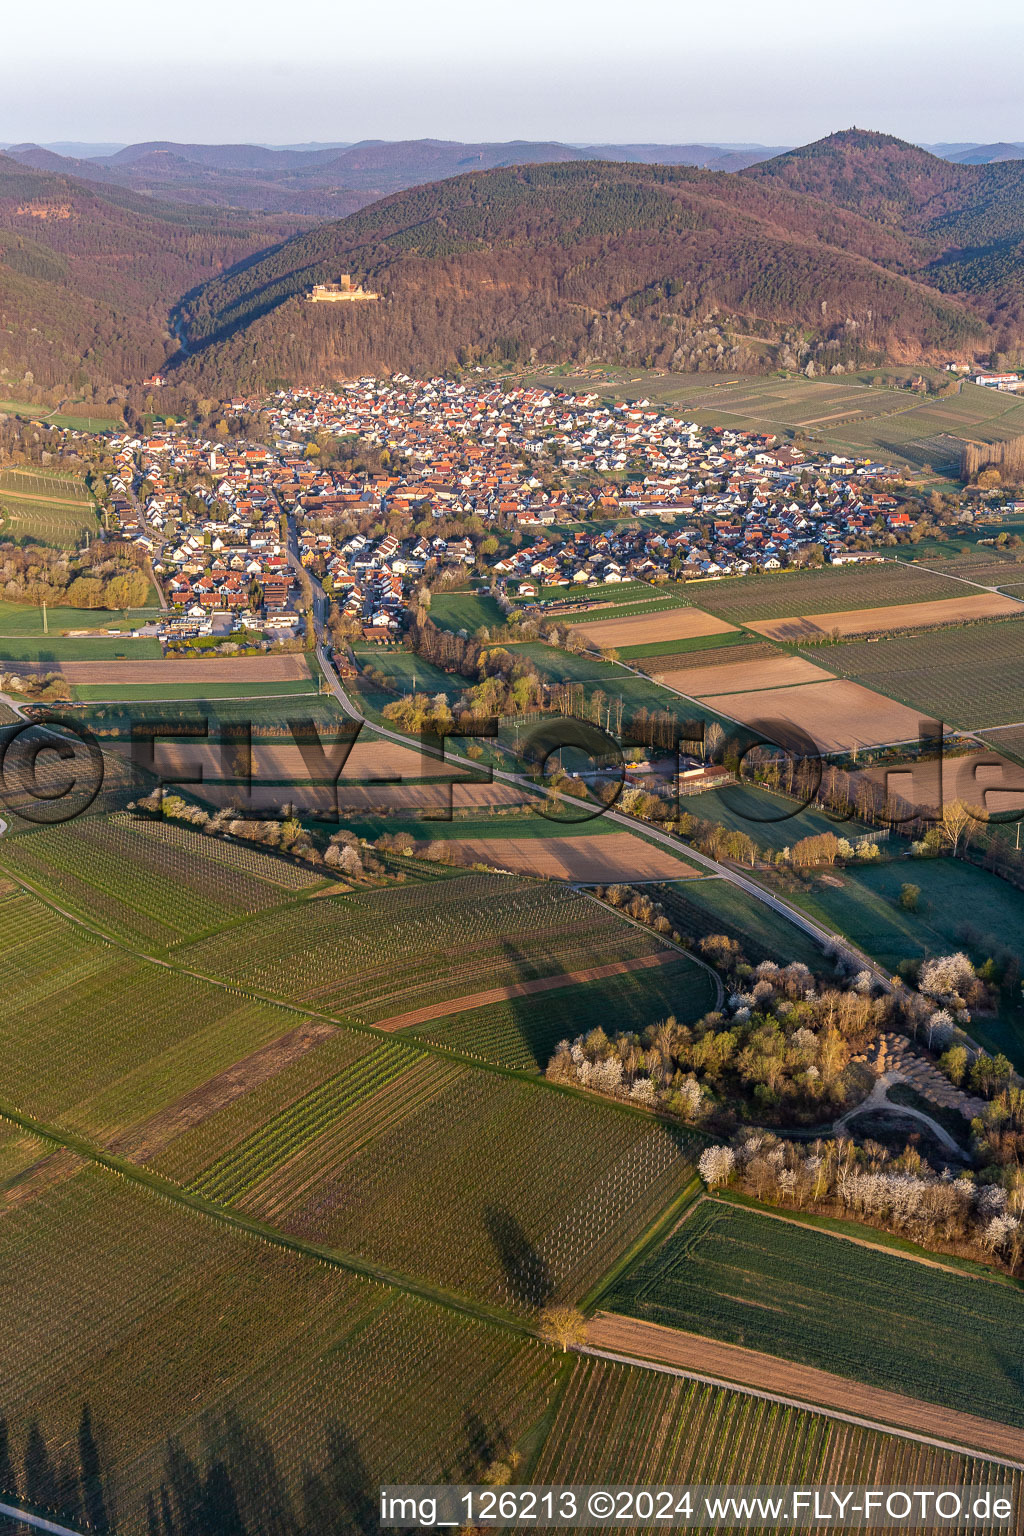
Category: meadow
[24,620]
[773,821]
[804,1294]
[968,677]
[699,907]
[465,610]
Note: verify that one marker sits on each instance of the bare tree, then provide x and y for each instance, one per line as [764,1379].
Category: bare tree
[563,1325]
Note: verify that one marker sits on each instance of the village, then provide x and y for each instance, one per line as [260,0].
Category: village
[526,489]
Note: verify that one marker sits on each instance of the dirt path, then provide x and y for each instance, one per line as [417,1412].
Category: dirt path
[789,1381]
[524,989]
[144,1141]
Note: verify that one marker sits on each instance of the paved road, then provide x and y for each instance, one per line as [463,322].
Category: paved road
[826,937]
[821,935]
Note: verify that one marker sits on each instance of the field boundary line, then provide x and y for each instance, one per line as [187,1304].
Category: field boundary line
[482,999]
[822,1410]
[157,1184]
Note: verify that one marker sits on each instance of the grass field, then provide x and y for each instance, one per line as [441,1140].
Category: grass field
[22,620]
[54,650]
[523,1033]
[961,907]
[378,954]
[465,610]
[619,1425]
[38,506]
[671,648]
[700,907]
[773,821]
[968,677]
[805,1295]
[117,692]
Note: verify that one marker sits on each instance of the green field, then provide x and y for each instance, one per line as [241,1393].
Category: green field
[523,1033]
[619,1425]
[773,821]
[21,620]
[112,693]
[961,907]
[145,887]
[806,1295]
[466,610]
[700,907]
[671,648]
[968,676]
[383,953]
[615,682]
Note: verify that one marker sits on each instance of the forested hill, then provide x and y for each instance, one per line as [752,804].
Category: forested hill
[645,264]
[88,276]
[970,217]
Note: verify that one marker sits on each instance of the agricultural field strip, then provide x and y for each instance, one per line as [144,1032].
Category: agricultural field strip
[233,1329]
[882,584]
[158,889]
[655,1425]
[523,1035]
[339,949]
[525,989]
[716,1272]
[616,1215]
[732,1368]
[968,677]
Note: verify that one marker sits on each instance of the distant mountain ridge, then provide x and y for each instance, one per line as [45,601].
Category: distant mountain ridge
[330,181]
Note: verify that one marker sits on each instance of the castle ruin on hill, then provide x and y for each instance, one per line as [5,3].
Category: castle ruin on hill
[340,292]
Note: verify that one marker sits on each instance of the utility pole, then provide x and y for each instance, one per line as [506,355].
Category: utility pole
[46,626]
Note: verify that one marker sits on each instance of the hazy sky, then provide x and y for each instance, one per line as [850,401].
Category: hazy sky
[581,70]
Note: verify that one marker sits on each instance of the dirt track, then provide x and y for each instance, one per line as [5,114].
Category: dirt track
[525,989]
[747,1367]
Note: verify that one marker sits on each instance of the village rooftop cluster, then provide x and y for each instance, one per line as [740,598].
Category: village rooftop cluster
[528,487]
